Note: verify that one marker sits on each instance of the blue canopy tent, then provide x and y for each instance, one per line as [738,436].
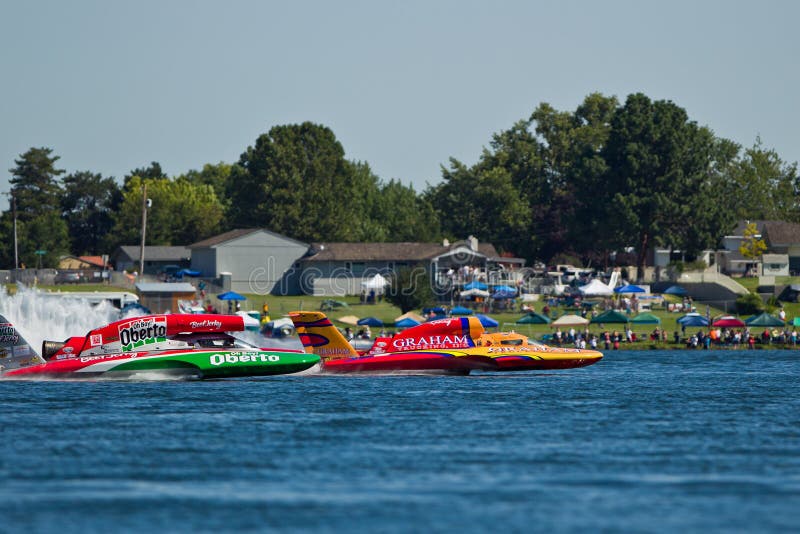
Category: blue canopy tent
[504,295]
[461,310]
[629,288]
[487,322]
[406,323]
[692,319]
[186,272]
[231,295]
[476,285]
[675,290]
[370,321]
[508,289]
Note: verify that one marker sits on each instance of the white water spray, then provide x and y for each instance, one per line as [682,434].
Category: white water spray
[39,316]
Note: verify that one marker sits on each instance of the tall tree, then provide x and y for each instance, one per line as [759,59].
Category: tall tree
[215,175]
[88,204]
[181,213]
[34,183]
[656,158]
[296,181]
[765,187]
[151,172]
[404,215]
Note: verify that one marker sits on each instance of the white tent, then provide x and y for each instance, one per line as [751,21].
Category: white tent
[596,288]
[474,293]
[570,320]
[376,282]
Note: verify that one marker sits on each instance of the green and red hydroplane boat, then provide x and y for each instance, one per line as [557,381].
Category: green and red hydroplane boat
[182,346]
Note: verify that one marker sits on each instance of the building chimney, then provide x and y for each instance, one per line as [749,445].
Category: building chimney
[473,243]
[446,242]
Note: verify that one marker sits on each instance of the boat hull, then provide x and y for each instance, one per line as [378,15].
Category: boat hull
[413,362]
[192,364]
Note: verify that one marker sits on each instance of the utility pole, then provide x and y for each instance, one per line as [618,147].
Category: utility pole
[14,211]
[144,227]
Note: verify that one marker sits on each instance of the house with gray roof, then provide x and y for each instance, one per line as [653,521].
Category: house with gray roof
[254,260]
[156,258]
[335,269]
[782,256]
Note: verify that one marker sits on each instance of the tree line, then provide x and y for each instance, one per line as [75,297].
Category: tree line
[585,185]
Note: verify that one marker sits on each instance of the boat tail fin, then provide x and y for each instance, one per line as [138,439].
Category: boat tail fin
[319,336]
[15,351]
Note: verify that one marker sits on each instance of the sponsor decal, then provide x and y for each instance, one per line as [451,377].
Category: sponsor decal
[431,342]
[85,359]
[8,334]
[326,351]
[243,357]
[207,323]
[95,340]
[141,332]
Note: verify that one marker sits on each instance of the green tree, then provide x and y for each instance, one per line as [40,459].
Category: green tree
[34,183]
[410,289]
[656,160]
[481,202]
[45,232]
[151,172]
[296,181]
[88,204]
[763,186]
[181,213]
[215,175]
[404,215]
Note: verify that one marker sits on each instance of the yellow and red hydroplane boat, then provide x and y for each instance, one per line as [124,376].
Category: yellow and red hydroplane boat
[453,346]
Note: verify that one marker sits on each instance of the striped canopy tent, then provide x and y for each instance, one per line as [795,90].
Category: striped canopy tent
[610,316]
[646,318]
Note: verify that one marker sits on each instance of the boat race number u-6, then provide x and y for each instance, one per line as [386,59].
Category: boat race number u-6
[140,332]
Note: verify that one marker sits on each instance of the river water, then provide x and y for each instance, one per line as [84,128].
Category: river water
[649,441]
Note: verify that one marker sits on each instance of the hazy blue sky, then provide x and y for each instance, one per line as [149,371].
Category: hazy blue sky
[113,85]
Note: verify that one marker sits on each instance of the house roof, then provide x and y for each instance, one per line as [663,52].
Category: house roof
[782,233]
[775,258]
[93,260]
[236,234]
[156,253]
[407,251]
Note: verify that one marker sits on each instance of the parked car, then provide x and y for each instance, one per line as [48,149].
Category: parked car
[67,278]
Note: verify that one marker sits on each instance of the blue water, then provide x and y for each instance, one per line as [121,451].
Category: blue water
[640,442]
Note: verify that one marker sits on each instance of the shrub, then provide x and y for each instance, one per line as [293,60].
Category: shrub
[749,304]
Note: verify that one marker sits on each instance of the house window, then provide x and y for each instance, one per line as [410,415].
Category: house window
[355,267]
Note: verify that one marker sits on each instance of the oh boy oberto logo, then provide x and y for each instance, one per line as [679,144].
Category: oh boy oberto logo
[139,332]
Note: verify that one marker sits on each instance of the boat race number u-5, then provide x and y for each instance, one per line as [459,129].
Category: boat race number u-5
[140,332]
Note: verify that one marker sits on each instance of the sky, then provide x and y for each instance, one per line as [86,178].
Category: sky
[111,86]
